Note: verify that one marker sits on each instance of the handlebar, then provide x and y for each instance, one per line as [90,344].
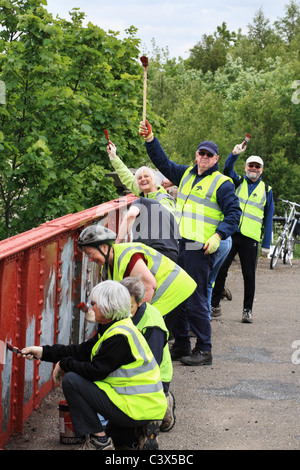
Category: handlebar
[289,202]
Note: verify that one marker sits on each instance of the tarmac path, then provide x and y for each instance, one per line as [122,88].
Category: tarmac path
[249,399]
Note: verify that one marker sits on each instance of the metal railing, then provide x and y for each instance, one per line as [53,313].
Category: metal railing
[42,279]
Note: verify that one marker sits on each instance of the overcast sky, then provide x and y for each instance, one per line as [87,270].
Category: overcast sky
[176,24]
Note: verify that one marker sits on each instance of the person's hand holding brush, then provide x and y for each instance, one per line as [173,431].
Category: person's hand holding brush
[111,150]
[145,130]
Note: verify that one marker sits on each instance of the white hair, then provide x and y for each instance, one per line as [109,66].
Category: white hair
[149,170]
[112,299]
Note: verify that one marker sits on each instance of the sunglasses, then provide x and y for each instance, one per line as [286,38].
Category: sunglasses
[204,152]
[252,165]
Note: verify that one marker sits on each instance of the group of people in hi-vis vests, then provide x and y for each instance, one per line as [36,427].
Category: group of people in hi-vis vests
[156,287]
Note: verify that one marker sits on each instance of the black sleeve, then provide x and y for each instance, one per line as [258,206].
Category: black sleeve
[113,353]
[81,352]
[156,339]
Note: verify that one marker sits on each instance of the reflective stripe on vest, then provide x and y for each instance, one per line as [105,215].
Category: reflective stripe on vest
[135,388]
[252,209]
[174,285]
[197,211]
[153,318]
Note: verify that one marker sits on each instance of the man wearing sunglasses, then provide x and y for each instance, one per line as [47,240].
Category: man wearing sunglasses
[256,202]
[207,211]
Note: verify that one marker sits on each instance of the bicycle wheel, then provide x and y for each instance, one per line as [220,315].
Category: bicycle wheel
[288,251]
[276,253]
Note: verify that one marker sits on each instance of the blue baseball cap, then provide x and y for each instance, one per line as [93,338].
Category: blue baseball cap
[209,146]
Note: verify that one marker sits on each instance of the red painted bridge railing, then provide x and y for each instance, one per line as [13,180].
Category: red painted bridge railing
[42,279]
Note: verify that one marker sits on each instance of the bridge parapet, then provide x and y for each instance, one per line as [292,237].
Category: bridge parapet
[42,279]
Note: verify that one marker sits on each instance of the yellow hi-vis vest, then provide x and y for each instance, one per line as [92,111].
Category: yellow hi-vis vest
[174,285]
[152,318]
[197,211]
[134,388]
[252,209]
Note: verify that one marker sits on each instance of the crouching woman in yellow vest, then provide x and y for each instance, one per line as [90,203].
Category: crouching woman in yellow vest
[167,285]
[113,374]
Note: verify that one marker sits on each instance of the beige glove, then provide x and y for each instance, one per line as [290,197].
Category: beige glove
[111,150]
[58,374]
[212,244]
[238,149]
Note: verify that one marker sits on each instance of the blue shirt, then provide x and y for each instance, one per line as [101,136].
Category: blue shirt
[226,197]
[269,208]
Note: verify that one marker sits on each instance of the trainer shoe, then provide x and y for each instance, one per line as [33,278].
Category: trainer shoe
[148,438]
[177,352]
[169,418]
[92,443]
[197,358]
[215,311]
[247,316]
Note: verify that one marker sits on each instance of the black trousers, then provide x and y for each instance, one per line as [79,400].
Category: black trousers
[86,400]
[247,249]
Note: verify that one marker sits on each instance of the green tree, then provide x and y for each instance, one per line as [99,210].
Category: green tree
[289,26]
[65,84]
[210,52]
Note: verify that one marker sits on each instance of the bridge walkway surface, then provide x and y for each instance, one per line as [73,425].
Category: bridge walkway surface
[247,400]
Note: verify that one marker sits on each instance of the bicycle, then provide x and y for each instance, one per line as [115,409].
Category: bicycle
[289,236]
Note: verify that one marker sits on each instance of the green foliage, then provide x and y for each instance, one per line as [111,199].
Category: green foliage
[65,84]
[252,86]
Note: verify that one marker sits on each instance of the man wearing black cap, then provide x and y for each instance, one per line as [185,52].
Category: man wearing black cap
[256,202]
[207,211]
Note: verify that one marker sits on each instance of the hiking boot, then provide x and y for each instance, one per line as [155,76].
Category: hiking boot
[92,443]
[148,438]
[197,358]
[247,316]
[169,418]
[215,311]
[177,352]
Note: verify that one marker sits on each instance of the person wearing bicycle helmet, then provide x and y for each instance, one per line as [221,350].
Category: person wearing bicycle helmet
[257,205]
[166,284]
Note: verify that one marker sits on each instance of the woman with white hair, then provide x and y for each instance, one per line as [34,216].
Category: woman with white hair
[144,183]
[113,374]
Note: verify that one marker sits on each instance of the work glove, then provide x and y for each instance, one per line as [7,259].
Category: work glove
[111,150]
[238,149]
[212,244]
[58,374]
[145,130]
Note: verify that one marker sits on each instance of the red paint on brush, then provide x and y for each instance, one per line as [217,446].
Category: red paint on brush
[144,61]
[106,134]
[247,138]
[83,307]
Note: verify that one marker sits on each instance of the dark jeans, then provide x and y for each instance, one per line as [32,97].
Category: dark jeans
[247,249]
[193,313]
[85,400]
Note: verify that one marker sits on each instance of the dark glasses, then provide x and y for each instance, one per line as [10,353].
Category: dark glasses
[253,165]
[204,152]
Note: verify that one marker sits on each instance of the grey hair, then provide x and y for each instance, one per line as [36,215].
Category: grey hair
[153,174]
[135,287]
[112,299]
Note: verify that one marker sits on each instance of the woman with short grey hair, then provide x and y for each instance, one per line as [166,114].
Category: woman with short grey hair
[114,300]
[113,374]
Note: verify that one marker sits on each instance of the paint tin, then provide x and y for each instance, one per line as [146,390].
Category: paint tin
[66,431]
